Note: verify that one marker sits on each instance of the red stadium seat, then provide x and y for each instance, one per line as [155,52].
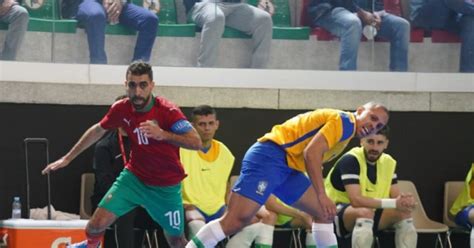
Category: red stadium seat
[417,35]
[442,36]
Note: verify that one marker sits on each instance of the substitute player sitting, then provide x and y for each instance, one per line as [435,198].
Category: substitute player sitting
[363,184]
[463,206]
[205,188]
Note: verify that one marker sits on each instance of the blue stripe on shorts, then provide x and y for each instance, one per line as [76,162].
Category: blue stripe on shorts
[216,215]
[462,218]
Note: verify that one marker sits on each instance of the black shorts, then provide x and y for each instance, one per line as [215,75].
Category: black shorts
[339,228]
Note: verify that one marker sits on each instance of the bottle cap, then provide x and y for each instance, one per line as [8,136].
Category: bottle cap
[369,32]
[16,198]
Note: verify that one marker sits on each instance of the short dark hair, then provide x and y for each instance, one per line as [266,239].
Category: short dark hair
[139,68]
[385,131]
[121,97]
[377,105]
[203,110]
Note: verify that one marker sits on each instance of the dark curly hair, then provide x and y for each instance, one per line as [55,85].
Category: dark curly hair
[139,68]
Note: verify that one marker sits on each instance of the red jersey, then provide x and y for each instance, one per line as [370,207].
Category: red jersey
[153,162]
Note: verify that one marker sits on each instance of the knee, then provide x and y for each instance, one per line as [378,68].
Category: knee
[150,21]
[94,17]
[353,29]
[403,26]
[22,15]
[354,25]
[264,19]
[216,22]
[402,215]
[364,213]
[234,225]
[269,218]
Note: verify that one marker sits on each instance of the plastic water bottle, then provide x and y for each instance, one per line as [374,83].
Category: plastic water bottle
[16,208]
[369,32]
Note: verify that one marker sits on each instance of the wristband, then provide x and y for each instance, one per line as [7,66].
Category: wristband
[388,203]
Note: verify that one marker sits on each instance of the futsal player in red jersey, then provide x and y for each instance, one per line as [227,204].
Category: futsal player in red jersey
[152,177]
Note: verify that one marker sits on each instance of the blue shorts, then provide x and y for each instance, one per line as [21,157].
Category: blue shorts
[265,171]
[462,218]
[216,215]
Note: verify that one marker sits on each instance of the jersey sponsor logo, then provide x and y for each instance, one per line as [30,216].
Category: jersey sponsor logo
[126,121]
[60,242]
[109,197]
[262,186]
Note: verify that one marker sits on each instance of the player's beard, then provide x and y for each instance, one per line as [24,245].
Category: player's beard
[139,106]
[372,156]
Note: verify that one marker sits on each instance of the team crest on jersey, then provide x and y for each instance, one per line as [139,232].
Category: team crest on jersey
[262,186]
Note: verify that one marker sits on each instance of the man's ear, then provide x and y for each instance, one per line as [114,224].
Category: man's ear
[360,109]
[217,124]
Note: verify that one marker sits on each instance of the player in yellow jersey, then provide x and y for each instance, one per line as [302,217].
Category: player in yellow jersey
[205,188]
[463,206]
[276,165]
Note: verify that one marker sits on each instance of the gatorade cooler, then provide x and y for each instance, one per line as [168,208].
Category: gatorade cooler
[23,233]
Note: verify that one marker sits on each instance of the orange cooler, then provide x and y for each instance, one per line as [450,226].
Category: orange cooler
[26,233]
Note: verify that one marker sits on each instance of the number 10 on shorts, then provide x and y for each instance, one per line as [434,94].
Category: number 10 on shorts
[174,218]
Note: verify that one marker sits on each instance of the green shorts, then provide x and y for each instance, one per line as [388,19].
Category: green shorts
[164,204]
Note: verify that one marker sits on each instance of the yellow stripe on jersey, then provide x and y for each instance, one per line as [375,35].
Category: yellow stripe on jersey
[293,136]
[206,183]
[212,154]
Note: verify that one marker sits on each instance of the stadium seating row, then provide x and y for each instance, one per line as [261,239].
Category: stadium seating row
[46,18]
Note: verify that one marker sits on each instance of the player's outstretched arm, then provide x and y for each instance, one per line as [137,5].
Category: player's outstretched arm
[88,138]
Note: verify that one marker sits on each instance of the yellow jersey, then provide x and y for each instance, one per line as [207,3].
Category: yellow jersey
[208,173]
[338,127]
[386,166]
[465,197]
